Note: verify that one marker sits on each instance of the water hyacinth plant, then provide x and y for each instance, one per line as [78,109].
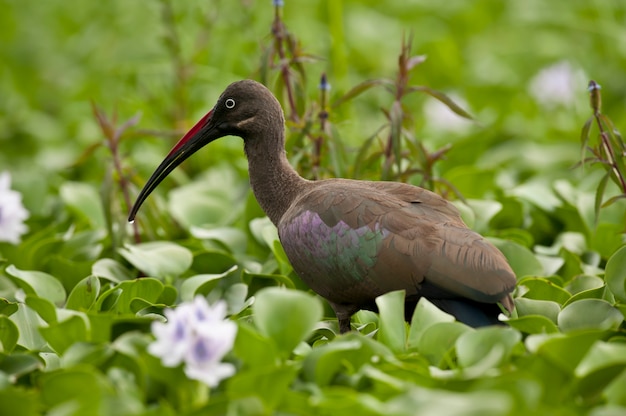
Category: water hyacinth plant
[197,335]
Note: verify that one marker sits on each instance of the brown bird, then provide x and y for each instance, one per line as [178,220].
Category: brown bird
[349,240]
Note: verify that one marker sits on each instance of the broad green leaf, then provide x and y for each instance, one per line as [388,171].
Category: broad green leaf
[44,308]
[85,201]
[7,308]
[83,386]
[425,315]
[232,238]
[473,346]
[28,322]
[17,401]
[148,289]
[392,330]
[19,364]
[522,260]
[62,335]
[264,231]
[253,349]
[86,352]
[43,284]
[270,384]
[615,393]
[196,205]
[212,262]
[346,354]
[438,340]
[84,294]
[159,258]
[9,334]
[602,355]
[201,284]
[533,324]
[564,351]
[286,316]
[546,308]
[583,283]
[249,278]
[603,363]
[615,274]
[540,288]
[589,314]
[111,270]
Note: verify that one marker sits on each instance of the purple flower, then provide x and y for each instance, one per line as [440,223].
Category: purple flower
[278,3]
[12,212]
[199,336]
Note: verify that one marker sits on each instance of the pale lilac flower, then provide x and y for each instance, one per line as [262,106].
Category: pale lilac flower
[557,85]
[12,212]
[199,336]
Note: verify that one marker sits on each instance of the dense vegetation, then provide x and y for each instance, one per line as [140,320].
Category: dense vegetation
[485,102]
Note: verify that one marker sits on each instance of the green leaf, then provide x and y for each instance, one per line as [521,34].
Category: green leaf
[28,322]
[346,354]
[159,258]
[425,315]
[359,89]
[148,289]
[16,401]
[40,283]
[589,314]
[84,200]
[472,347]
[19,364]
[438,340]
[392,331]
[111,270]
[449,102]
[201,284]
[540,288]
[603,363]
[84,294]
[545,308]
[533,324]
[197,205]
[62,335]
[270,384]
[280,279]
[564,351]
[615,274]
[522,260]
[82,387]
[44,308]
[9,334]
[286,316]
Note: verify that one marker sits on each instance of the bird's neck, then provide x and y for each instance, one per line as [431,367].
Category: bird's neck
[274,182]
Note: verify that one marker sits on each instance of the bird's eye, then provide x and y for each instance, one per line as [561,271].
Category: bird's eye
[230,103]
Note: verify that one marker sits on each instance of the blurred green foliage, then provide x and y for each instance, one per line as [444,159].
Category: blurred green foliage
[95,93]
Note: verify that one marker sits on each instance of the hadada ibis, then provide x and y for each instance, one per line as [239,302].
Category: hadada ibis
[350,240]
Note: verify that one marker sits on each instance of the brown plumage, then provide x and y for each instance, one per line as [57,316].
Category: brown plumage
[352,241]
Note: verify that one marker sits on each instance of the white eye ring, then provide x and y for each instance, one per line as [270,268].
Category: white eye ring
[230,103]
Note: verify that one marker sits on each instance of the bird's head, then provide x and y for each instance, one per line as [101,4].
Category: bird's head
[243,109]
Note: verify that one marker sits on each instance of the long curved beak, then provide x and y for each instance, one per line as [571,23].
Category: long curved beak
[204,132]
